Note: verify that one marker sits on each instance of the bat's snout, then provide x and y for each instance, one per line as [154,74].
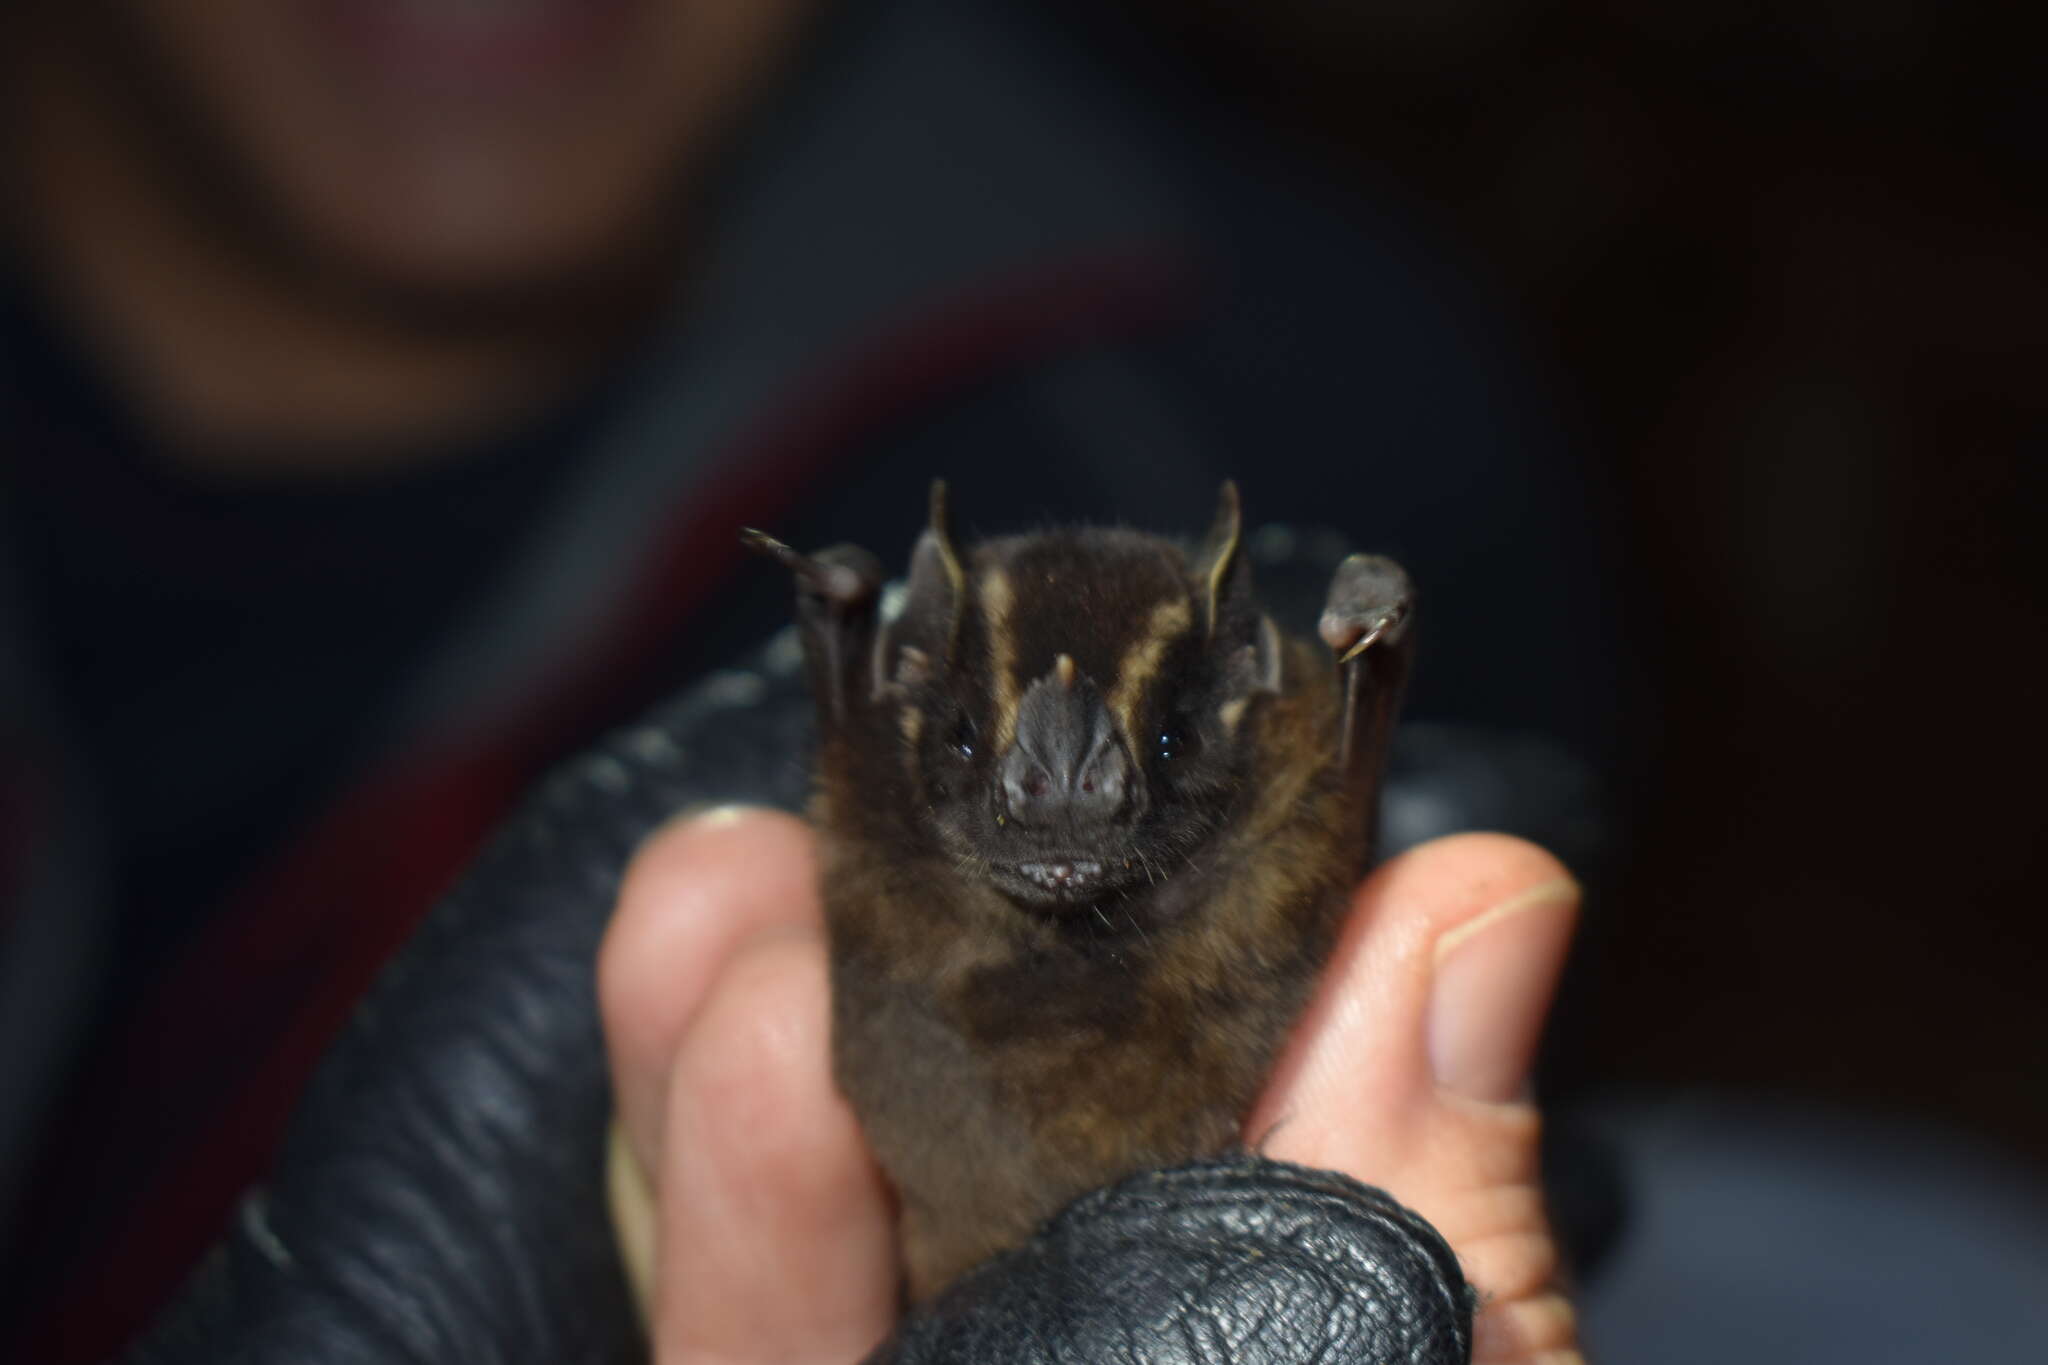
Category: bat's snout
[1063,790]
[1067,766]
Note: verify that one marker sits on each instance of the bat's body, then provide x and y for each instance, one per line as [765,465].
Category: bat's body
[1089,822]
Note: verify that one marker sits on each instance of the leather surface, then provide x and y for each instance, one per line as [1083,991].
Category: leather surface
[1239,1259]
[440,1197]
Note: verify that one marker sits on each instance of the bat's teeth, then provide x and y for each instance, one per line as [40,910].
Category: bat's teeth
[1063,874]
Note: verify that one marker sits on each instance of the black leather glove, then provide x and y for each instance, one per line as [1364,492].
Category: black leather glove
[1238,1259]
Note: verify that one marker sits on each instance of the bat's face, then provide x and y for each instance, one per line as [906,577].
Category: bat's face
[1073,707]
[1073,716]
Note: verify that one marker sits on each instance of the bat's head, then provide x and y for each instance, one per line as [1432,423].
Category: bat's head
[1073,706]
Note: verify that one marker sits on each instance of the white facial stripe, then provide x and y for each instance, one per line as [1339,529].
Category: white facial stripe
[1140,664]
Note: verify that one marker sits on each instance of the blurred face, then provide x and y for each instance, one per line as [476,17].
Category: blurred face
[463,145]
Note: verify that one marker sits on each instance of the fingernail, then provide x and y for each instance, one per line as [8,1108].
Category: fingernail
[1495,975]
[712,817]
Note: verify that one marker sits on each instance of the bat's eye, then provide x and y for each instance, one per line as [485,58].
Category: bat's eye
[1172,742]
[961,739]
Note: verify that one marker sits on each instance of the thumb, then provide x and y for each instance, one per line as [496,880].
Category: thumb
[1410,1068]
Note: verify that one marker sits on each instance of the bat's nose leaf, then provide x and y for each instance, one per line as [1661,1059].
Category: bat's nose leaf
[1066,766]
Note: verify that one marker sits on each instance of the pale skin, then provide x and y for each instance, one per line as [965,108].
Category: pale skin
[770,1237]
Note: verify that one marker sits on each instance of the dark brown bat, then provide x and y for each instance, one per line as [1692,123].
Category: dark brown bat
[1089,822]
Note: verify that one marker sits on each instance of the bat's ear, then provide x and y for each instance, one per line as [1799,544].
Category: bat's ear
[1254,668]
[938,584]
[1222,577]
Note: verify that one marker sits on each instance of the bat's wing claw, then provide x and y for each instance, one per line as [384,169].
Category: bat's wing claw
[761,543]
[836,595]
[1370,601]
[842,575]
[1368,623]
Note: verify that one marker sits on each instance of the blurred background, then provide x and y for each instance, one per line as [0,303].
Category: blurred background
[1788,264]
[384,382]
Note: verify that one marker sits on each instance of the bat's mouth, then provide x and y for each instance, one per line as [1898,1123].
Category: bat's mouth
[1061,874]
[1058,880]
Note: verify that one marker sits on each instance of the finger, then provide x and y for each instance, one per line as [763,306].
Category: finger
[774,1233]
[1411,1065]
[1365,1043]
[696,888]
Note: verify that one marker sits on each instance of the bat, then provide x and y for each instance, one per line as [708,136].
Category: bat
[1088,822]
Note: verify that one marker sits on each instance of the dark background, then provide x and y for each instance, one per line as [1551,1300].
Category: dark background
[1786,264]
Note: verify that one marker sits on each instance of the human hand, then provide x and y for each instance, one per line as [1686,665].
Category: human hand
[769,1231]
